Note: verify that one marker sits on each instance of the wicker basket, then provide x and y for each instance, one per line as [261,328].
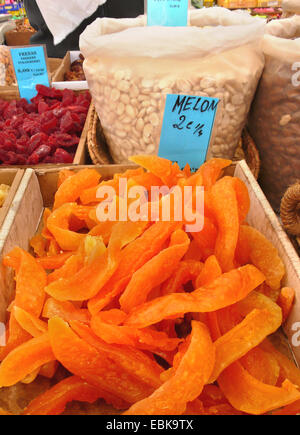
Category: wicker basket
[100,154]
[290,211]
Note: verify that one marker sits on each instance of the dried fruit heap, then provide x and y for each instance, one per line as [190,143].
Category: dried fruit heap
[47,130]
[146,316]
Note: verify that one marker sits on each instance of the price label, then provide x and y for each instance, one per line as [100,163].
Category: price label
[30,66]
[187,129]
[170,13]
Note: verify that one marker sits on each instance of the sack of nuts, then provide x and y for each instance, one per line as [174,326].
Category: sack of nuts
[7,74]
[131,67]
[274,121]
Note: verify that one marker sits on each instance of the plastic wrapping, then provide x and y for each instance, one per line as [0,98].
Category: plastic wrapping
[130,69]
[275,116]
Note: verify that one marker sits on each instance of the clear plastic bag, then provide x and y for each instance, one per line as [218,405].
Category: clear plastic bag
[131,67]
[274,120]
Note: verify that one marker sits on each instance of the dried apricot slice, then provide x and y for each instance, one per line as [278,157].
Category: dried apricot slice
[66,311]
[255,248]
[155,272]
[133,257]
[55,400]
[92,277]
[286,301]
[24,360]
[31,280]
[188,381]
[31,324]
[144,339]
[164,169]
[247,394]
[225,291]
[100,369]
[262,366]
[226,211]
[264,319]
[71,189]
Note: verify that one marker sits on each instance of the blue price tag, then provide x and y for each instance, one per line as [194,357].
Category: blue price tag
[187,129]
[170,13]
[31,69]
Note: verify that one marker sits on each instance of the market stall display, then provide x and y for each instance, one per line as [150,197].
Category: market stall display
[21,35]
[47,130]
[274,118]
[122,336]
[132,284]
[139,67]
[70,73]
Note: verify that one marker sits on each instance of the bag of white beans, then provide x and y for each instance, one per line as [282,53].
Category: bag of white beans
[131,68]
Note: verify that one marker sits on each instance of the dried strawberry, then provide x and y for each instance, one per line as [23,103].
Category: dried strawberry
[42,107]
[68,97]
[36,141]
[62,156]
[38,155]
[48,92]
[67,123]
[41,131]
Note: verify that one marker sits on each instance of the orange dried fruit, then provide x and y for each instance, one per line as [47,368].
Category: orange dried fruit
[155,272]
[262,366]
[168,172]
[92,277]
[66,311]
[225,291]
[30,294]
[254,248]
[247,394]
[188,381]
[55,400]
[133,257]
[71,189]
[25,359]
[226,211]
[285,301]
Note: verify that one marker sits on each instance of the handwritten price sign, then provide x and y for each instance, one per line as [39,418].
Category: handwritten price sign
[187,129]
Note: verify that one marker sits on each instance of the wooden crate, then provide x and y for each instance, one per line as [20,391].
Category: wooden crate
[10,93]
[59,77]
[37,191]
[39,187]
[12,178]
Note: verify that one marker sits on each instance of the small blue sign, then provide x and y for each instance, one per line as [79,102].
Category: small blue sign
[187,129]
[31,69]
[170,13]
